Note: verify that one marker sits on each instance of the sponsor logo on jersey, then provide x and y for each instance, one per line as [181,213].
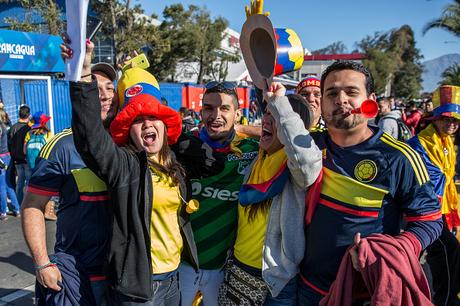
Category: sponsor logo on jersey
[242,165]
[214,193]
[247,155]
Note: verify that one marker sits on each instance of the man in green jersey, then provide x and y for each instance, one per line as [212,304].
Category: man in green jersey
[214,224]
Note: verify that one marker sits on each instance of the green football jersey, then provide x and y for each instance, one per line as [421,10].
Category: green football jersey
[214,224]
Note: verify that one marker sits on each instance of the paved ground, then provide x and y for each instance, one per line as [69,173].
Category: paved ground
[17,276]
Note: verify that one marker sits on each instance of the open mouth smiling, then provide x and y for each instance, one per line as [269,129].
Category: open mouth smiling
[150,137]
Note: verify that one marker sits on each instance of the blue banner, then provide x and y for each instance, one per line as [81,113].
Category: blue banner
[30,52]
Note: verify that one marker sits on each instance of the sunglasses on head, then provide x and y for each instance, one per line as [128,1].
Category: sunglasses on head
[225,85]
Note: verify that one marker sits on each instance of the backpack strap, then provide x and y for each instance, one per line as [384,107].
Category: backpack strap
[393,118]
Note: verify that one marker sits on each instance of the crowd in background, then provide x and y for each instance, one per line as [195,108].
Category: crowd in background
[301,202]
[25,141]
[20,144]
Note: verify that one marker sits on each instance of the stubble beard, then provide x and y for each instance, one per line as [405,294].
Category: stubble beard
[344,123]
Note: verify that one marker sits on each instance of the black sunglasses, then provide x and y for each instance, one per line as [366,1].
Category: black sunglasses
[225,85]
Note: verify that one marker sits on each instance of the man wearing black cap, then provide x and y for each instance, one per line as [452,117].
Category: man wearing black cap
[83,224]
[105,75]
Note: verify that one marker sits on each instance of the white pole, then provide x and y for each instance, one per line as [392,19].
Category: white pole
[50,104]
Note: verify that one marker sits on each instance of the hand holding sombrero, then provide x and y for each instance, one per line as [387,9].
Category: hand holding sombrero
[257,8]
[268,51]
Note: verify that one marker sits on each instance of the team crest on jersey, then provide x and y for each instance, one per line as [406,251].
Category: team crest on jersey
[366,171]
[242,165]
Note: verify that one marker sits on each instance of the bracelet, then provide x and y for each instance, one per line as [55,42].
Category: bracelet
[49,264]
[85,76]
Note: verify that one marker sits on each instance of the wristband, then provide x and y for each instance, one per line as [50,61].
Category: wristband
[86,75]
[49,264]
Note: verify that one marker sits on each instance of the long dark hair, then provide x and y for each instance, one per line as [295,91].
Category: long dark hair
[4,117]
[170,166]
[253,209]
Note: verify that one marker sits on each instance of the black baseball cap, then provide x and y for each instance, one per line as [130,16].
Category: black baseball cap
[106,69]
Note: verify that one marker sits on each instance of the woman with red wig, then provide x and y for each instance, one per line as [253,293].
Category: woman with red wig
[147,185]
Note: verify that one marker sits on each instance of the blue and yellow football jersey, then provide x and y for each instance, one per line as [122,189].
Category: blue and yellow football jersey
[366,188]
[84,218]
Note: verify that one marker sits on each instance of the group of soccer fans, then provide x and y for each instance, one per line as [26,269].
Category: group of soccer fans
[317,207]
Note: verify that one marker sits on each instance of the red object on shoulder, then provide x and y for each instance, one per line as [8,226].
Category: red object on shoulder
[312,198]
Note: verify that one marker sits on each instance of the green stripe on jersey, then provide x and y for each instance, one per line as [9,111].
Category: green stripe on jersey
[218,197]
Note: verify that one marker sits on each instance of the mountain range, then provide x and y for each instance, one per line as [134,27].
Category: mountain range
[434,68]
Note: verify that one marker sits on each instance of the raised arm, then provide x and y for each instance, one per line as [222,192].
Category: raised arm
[93,142]
[304,157]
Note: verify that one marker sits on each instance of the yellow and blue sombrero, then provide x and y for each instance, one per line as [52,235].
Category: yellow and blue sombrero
[268,51]
[139,95]
[446,101]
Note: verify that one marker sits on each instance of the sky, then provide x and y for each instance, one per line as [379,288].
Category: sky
[322,22]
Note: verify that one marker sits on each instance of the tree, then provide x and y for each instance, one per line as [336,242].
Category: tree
[379,40]
[219,69]
[393,58]
[337,47]
[178,35]
[192,37]
[451,76]
[408,77]
[382,66]
[47,10]
[449,20]
[379,59]
[126,26]
[210,35]
[407,81]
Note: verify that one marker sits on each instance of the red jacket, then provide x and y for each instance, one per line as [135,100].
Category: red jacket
[390,271]
[412,120]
